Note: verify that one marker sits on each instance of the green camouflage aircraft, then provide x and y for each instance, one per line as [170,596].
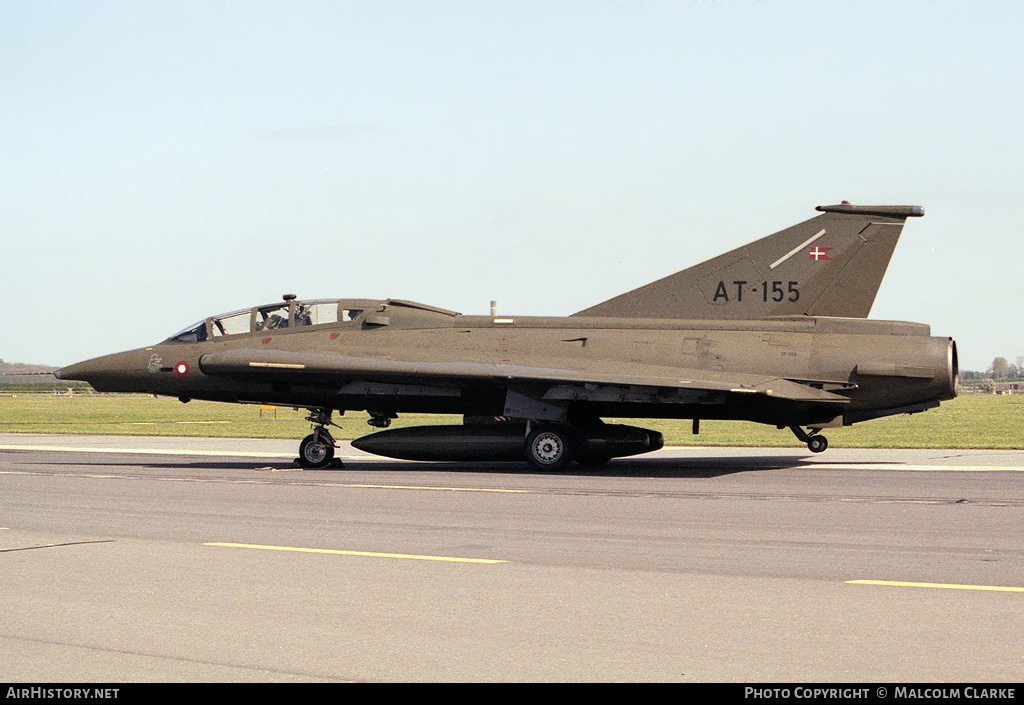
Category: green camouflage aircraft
[774,332]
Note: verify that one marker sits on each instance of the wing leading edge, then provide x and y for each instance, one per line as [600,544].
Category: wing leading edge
[275,365]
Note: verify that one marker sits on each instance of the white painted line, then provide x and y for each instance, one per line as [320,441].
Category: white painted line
[150,451]
[796,249]
[916,468]
[940,586]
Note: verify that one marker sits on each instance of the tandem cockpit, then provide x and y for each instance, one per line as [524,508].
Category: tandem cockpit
[287,315]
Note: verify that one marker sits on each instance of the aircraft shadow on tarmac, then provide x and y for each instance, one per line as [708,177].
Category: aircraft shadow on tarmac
[633,467]
[621,467]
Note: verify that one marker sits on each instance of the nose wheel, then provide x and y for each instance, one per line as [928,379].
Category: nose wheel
[317,449]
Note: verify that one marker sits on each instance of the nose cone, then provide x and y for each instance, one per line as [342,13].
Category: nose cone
[79,372]
[120,372]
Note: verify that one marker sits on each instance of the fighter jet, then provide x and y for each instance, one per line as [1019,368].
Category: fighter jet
[774,332]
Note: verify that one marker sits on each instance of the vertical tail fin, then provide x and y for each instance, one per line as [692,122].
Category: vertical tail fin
[830,265]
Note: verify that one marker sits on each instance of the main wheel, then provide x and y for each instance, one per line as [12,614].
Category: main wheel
[548,447]
[315,453]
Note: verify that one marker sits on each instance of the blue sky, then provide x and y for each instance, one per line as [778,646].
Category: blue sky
[164,161]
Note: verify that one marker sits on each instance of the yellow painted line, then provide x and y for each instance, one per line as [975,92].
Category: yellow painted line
[365,554]
[944,586]
[441,489]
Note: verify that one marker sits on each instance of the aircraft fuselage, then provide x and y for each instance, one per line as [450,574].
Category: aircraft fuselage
[773,332]
[881,367]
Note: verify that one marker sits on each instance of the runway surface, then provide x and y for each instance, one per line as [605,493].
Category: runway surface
[178,559]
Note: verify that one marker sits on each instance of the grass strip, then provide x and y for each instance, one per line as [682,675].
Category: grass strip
[969,421]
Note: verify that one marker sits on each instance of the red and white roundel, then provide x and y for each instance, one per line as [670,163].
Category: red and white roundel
[181,369]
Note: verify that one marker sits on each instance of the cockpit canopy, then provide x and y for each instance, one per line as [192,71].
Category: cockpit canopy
[289,314]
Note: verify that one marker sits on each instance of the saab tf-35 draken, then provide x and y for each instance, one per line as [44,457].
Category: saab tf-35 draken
[774,332]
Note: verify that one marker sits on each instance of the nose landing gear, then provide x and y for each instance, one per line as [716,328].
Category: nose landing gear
[317,449]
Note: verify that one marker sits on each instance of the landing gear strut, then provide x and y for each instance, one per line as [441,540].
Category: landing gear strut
[816,443]
[317,449]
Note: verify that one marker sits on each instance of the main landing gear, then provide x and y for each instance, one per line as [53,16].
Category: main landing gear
[816,443]
[549,447]
[591,443]
[317,449]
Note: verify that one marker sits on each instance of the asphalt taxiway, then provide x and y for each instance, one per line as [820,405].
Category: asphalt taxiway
[160,559]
